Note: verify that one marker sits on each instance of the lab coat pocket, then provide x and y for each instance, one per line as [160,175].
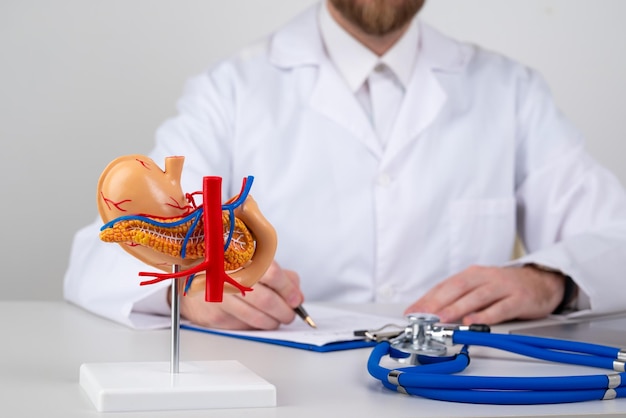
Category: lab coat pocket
[482,231]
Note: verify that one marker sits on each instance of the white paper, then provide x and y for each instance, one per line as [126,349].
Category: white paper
[333,325]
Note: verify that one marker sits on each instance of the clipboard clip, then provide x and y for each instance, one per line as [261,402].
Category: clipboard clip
[385,333]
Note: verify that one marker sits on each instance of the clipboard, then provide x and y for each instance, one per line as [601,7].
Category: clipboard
[608,330]
[332,346]
[334,332]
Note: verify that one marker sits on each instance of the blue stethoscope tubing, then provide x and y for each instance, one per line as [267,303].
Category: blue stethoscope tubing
[434,378]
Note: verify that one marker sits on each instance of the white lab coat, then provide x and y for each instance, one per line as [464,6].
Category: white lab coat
[479,152]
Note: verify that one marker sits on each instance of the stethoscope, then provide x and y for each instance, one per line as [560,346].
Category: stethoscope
[423,346]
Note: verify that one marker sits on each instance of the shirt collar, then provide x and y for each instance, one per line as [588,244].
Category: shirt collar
[355,62]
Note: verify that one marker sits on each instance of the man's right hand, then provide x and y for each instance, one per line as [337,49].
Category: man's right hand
[267,306]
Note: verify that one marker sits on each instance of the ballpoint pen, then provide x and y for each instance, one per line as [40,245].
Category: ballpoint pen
[305,316]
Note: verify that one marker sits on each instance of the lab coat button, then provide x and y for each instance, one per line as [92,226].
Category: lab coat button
[380,67]
[384,179]
[385,293]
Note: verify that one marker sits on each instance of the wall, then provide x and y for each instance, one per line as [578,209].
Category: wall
[84,82]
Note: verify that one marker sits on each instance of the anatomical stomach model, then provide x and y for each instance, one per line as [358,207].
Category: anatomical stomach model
[219,247]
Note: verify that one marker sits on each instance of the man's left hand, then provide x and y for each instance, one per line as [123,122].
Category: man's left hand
[490,295]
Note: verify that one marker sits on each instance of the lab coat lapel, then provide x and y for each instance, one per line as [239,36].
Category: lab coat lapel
[422,103]
[425,95]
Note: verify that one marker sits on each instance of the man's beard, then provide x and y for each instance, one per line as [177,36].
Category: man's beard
[378,17]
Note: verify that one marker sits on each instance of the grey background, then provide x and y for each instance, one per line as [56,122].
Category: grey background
[83,82]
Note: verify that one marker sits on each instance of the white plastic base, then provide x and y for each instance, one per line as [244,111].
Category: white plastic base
[150,386]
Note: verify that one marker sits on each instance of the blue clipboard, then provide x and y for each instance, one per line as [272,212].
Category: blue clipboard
[325,348]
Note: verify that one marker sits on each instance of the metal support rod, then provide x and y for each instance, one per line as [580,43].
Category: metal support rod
[175,335]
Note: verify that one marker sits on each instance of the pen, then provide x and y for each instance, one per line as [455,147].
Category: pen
[305,316]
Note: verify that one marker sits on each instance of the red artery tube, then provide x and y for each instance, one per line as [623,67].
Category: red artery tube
[214,238]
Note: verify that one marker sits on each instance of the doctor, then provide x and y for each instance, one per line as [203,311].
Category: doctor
[397,165]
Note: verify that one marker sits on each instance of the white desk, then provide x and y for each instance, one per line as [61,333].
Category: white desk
[44,343]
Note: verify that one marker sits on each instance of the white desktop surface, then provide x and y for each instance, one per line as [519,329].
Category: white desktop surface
[44,343]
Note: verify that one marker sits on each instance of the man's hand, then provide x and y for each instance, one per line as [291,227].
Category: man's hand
[490,295]
[270,304]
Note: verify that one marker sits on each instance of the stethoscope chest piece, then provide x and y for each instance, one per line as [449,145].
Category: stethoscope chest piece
[416,340]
